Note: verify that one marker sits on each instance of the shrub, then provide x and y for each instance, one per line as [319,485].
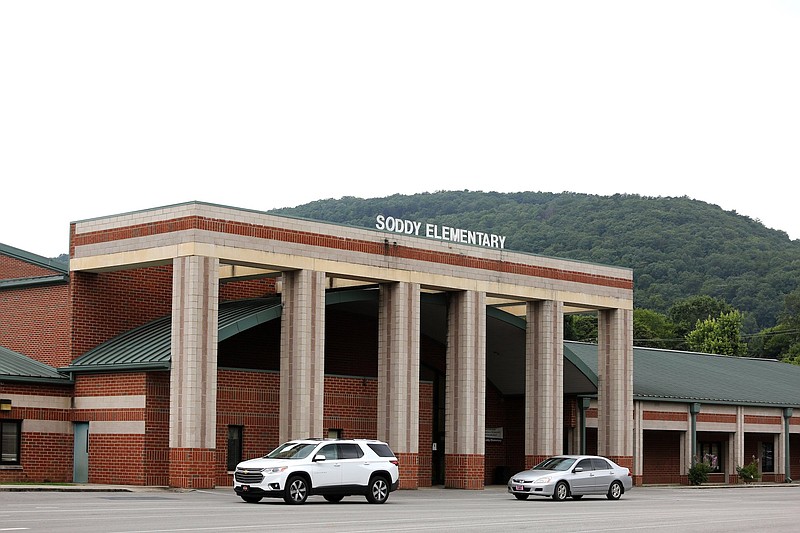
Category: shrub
[749,473]
[698,473]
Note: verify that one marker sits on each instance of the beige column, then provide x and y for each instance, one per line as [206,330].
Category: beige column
[736,444]
[615,386]
[398,376]
[193,372]
[465,402]
[544,381]
[302,355]
[638,443]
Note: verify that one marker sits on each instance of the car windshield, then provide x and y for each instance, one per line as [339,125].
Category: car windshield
[291,450]
[555,463]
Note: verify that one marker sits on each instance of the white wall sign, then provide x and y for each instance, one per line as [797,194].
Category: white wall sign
[443,233]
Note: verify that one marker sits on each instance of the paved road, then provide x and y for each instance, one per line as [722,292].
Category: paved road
[775,508]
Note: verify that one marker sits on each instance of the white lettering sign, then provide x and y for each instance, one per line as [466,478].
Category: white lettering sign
[442,233]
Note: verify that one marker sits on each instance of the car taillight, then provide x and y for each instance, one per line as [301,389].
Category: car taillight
[395,462]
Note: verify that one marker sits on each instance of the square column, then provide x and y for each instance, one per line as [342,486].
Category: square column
[615,386]
[398,376]
[193,373]
[302,355]
[465,402]
[544,381]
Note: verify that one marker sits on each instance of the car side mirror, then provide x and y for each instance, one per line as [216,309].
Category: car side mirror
[578,469]
[319,457]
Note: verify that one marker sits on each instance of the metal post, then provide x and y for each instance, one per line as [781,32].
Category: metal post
[582,407]
[693,410]
[787,415]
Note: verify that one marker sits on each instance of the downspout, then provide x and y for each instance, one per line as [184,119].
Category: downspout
[583,406]
[787,415]
[693,410]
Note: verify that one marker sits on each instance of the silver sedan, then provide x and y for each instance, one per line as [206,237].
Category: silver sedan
[573,476]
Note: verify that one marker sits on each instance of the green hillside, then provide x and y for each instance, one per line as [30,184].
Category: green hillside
[677,247]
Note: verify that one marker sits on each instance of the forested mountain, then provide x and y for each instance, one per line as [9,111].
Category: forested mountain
[677,247]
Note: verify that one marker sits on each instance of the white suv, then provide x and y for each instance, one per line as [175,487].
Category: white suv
[333,468]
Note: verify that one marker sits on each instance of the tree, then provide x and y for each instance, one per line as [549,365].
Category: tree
[686,313]
[581,328]
[720,335]
[653,329]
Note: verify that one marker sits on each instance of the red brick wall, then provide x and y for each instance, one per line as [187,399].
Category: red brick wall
[245,289]
[13,268]
[35,322]
[44,457]
[108,451]
[156,438]
[352,406]
[251,400]
[425,474]
[507,456]
[107,304]
[662,457]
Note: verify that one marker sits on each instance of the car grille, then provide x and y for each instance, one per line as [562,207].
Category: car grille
[249,476]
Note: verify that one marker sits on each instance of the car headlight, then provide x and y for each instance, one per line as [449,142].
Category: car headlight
[542,480]
[274,470]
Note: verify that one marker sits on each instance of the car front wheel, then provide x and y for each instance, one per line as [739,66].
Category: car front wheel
[615,491]
[296,490]
[378,490]
[561,492]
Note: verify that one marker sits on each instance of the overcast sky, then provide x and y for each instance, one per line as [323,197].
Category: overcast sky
[108,106]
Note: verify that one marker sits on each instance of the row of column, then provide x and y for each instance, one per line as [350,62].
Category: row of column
[193,376]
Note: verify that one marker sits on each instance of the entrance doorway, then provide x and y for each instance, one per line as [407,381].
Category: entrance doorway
[80,452]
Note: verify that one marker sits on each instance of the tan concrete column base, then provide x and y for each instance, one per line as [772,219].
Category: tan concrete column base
[464,471]
[191,468]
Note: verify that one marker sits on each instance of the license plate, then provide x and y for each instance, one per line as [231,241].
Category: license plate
[245,488]
[519,487]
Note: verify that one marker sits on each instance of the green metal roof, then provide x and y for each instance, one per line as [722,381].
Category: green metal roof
[44,262]
[669,375]
[17,367]
[60,270]
[148,346]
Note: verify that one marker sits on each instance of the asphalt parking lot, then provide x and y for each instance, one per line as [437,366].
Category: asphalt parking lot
[143,510]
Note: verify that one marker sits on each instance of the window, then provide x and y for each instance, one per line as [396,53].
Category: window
[382,450]
[767,456]
[235,434]
[586,464]
[711,453]
[350,451]
[600,464]
[10,433]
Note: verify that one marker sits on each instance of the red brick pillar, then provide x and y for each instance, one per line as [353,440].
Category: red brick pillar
[191,468]
[464,471]
[409,470]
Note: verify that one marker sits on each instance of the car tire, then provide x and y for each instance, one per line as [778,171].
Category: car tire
[378,490]
[521,496]
[296,490]
[577,497]
[333,498]
[251,499]
[615,491]
[561,491]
